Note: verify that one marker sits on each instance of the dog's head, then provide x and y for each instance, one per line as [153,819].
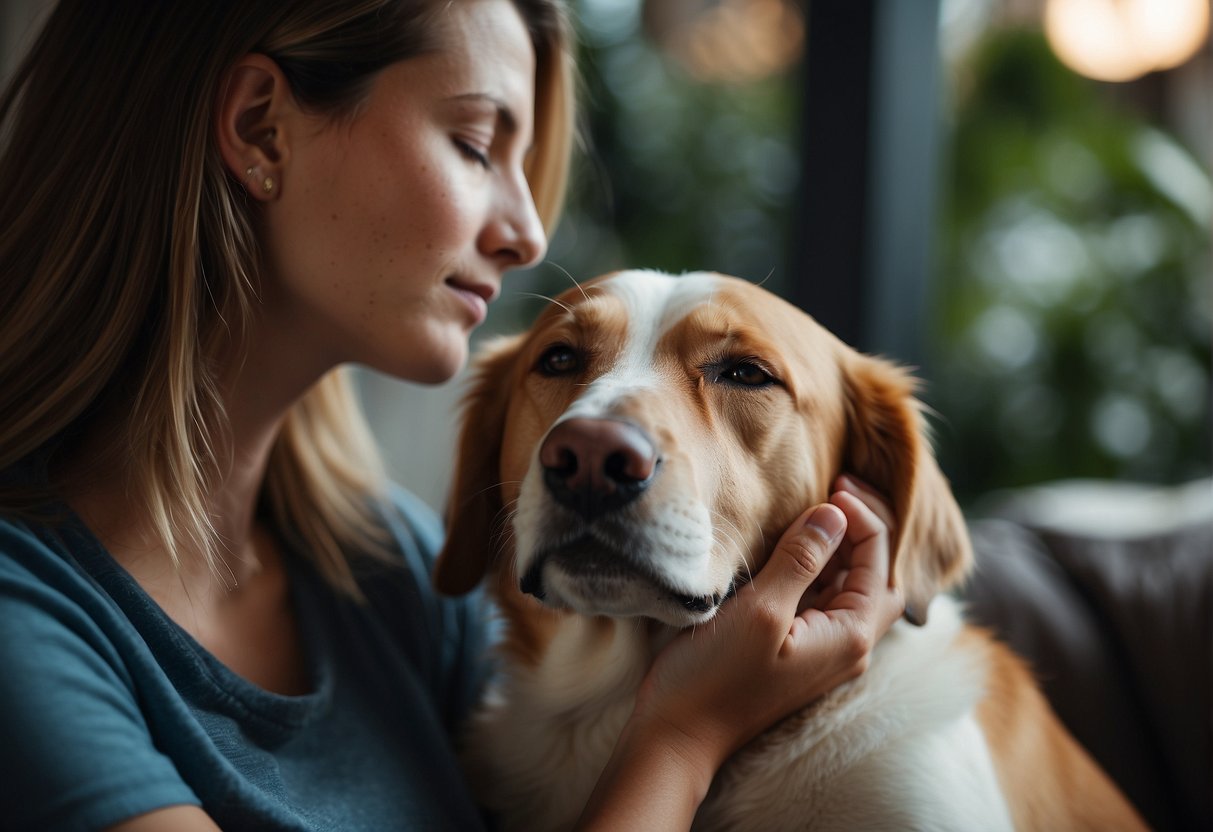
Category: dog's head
[647,442]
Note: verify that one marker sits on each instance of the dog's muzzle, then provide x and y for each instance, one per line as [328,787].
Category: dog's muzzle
[596,466]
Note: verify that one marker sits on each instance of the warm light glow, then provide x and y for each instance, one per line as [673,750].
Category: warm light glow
[729,41]
[1119,40]
[1171,32]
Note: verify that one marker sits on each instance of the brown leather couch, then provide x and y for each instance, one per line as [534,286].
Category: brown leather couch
[1107,590]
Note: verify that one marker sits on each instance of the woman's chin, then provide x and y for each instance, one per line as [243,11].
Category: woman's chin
[430,367]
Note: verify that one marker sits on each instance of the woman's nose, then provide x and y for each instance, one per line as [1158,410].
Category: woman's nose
[516,236]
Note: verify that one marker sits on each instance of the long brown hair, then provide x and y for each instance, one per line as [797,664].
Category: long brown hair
[128,260]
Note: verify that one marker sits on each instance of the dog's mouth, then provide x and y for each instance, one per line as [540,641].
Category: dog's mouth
[595,578]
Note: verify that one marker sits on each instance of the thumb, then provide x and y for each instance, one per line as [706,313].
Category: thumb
[800,555]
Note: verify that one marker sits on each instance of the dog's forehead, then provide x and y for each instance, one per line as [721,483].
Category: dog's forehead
[648,304]
[655,302]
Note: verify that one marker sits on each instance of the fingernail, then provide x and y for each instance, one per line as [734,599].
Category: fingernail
[829,521]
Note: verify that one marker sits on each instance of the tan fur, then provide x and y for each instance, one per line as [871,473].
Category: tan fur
[756,458]
[474,516]
[1049,779]
[888,448]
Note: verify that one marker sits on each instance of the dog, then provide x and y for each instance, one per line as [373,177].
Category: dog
[625,464]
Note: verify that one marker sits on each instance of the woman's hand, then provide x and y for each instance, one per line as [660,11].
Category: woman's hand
[780,643]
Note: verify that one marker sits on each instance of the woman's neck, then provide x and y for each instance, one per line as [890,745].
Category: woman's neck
[257,392]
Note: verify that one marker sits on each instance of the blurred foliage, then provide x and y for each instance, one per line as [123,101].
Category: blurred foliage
[1073,298]
[676,174]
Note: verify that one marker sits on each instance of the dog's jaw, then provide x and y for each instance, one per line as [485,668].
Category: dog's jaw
[622,567]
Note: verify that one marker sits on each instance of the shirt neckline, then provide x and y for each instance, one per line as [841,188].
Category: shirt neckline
[197,674]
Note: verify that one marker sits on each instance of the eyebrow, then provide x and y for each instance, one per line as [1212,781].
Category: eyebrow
[509,122]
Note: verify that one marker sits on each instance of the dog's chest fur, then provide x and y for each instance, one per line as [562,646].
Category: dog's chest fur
[899,747]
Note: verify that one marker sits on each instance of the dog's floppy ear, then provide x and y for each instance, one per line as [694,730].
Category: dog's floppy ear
[473,513]
[887,445]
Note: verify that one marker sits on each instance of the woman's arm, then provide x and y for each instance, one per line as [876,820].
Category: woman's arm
[765,656]
[178,818]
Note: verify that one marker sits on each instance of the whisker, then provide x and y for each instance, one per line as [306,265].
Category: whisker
[491,487]
[567,274]
[538,296]
[507,508]
[733,529]
[727,536]
[762,540]
[735,536]
[504,528]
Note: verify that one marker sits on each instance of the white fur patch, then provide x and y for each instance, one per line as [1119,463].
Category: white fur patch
[898,748]
[655,302]
[544,734]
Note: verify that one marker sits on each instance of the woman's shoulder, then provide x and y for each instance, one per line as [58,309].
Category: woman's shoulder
[411,521]
[456,631]
[16,533]
[36,548]
[69,683]
[409,539]
[37,537]
[52,574]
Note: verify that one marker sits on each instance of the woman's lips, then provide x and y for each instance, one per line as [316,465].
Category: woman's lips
[475,297]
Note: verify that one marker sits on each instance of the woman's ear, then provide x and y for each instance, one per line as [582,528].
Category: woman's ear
[474,513]
[250,111]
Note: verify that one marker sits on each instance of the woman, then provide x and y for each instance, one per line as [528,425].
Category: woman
[216,614]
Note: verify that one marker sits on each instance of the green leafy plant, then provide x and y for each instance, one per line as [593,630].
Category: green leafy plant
[1073,329]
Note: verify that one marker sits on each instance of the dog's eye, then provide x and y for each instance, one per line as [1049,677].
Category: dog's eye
[747,374]
[559,360]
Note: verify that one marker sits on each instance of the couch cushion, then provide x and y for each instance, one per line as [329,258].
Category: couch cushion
[1120,633]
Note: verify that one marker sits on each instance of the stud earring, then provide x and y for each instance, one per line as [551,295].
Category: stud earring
[267,184]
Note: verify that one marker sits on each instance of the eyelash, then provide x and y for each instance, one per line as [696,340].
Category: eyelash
[472,153]
[723,371]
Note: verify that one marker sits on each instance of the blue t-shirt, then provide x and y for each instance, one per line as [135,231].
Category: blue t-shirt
[108,709]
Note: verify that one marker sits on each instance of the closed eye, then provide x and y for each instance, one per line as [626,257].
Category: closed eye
[473,153]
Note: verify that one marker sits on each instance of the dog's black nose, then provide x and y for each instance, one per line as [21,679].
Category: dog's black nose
[597,465]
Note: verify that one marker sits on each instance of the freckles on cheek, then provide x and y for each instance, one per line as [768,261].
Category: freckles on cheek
[368,311]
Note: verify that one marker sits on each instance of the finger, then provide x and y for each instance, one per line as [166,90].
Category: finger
[867,533]
[892,609]
[869,496]
[869,538]
[800,555]
[849,482]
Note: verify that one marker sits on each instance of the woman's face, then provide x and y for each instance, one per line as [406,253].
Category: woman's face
[392,229]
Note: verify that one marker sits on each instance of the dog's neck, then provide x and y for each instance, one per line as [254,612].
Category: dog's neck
[591,662]
[555,720]
[555,717]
